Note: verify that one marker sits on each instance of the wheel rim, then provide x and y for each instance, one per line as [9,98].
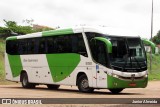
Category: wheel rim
[24,81]
[85,83]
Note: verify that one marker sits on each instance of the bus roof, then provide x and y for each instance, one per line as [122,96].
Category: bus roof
[78,29]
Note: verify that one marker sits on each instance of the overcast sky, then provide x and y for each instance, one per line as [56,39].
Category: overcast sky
[134,15]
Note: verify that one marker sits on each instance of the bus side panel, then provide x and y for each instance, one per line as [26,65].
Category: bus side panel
[62,65]
[51,68]
[13,67]
[9,75]
[87,67]
[37,68]
[81,67]
[101,76]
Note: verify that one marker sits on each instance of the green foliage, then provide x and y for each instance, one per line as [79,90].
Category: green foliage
[4,32]
[20,30]
[2,48]
[154,74]
[1,68]
[12,28]
[156,39]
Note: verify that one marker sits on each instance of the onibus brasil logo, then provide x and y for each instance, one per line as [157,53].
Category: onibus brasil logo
[20,101]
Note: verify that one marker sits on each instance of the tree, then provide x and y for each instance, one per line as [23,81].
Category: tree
[12,28]
[20,30]
[4,32]
[156,39]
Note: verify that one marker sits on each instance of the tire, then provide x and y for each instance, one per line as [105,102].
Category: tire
[55,87]
[83,84]
[116,91]
[25,82]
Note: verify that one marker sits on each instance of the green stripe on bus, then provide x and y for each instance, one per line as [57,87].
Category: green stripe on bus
[12,38]
[62,65]
[107,42]
[118,83]
[15,64]
[57,32]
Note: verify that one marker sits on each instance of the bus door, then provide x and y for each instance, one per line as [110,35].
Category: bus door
[100,56]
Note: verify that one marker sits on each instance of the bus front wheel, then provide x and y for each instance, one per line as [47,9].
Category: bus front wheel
[25,82]
[116,91]
[83,84]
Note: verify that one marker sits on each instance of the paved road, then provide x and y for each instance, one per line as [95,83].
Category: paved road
[41,91]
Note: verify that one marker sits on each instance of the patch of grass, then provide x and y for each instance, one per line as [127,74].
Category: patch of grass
[154,74]
[1,68]
[2,48]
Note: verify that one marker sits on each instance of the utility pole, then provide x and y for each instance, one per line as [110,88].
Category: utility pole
[151,36]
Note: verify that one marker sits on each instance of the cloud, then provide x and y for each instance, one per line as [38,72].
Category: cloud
[131,14]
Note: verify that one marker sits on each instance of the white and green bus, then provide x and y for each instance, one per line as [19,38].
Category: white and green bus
[82,56]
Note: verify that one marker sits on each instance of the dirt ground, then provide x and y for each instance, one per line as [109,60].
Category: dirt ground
[41,91]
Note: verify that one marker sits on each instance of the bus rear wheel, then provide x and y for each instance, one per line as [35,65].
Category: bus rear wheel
[53,86]
[25,82]
[83,84]
[116,91]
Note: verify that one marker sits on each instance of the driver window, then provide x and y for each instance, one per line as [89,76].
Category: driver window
[99,53]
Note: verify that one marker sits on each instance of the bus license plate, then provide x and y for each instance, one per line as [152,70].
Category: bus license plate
[132,84]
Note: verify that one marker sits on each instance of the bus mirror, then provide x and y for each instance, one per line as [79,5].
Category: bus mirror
[150,43]
[107,42]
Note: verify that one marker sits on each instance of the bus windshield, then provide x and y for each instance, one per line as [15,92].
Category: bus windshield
[127,54]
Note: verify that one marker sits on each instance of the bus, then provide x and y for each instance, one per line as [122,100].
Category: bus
[86,57]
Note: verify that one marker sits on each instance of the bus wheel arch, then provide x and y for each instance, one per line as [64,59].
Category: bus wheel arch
[78,75]
[21,74]
[24,80]
[83,83]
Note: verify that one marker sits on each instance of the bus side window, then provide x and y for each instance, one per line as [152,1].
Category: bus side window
[42,46]
[9,47]
[31,46]
[81,46]
[59,48]
[22,47]
[78,45]
[74,44]
[12,47]
[67,44]
[50,45]
[62,44]
[36,46]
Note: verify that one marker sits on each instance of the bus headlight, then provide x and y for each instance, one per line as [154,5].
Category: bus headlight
[146,76]
[114,75]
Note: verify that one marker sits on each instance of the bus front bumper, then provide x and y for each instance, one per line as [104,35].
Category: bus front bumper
[114,82]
